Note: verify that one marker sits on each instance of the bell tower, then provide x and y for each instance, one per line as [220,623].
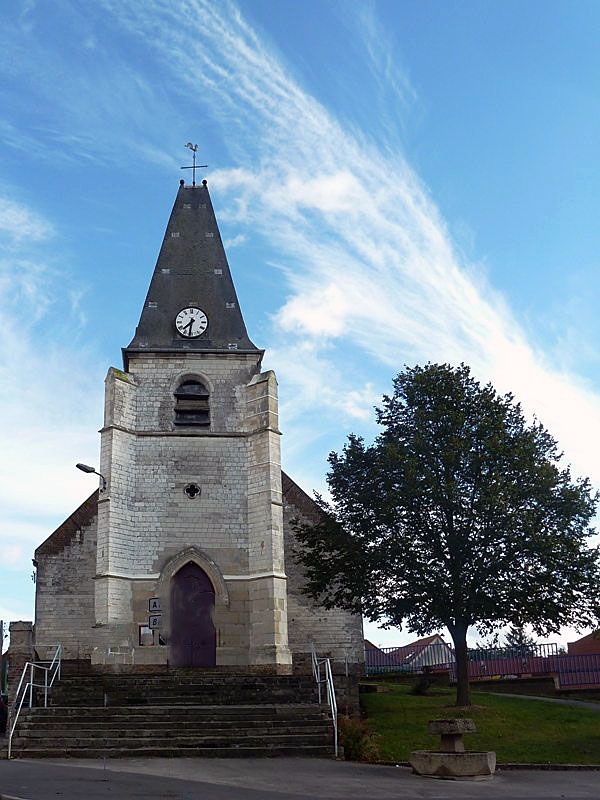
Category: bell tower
[192,514]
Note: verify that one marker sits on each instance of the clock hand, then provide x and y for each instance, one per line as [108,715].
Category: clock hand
[190,325]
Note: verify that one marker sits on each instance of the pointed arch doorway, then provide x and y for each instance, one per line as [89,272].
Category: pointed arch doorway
[193,634]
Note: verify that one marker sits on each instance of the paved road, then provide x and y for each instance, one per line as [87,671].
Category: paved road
[272,779]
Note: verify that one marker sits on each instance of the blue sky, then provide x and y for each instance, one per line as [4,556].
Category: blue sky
[396,182]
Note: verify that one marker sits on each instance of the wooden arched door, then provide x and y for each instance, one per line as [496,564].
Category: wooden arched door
[193,635]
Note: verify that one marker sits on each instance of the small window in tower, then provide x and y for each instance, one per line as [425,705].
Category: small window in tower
[229,305]
[152,304]
[218,272]
[187,205]
[209,235]
[165,271]
[232,346]
[175,235]
[202,205]
[191,405]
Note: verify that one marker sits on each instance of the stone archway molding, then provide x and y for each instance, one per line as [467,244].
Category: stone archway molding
[192,376]
[205,563]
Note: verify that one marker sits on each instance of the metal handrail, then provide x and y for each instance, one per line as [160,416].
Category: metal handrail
[317,663]
[54,669]
[332,703]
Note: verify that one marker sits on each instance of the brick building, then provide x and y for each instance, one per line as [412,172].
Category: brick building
[184,554]
[587,645]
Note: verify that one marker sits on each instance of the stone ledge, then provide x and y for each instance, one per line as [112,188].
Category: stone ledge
[453,766]
[449,727]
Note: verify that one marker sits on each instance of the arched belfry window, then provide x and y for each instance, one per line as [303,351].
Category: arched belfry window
[191,404]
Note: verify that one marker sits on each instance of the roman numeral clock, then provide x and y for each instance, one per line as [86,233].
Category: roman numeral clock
[191,322]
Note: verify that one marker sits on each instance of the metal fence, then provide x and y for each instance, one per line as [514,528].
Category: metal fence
[380,660]
[578,671]
[540,660]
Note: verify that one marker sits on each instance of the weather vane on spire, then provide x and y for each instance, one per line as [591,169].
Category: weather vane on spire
[194,149]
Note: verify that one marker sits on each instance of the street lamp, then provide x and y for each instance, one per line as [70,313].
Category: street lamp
[86,468]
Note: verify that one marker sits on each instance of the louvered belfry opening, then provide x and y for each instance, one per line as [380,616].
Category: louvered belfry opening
[191,404]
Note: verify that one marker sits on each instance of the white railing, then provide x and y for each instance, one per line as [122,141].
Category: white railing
[50,673]
[319,666]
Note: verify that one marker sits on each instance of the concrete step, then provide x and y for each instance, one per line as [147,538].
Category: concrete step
[149,697]
[168,680]
[102,740]
[216,728]
[184,687]
[212,730]
[128,700]
[186,713]
[201,680]
[54,714]
[197,675]
[317,751]
[43,727]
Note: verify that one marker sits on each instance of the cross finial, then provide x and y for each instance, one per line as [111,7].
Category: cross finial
[194,149]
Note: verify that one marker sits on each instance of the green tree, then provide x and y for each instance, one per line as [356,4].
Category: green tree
[516,638]
[457,515]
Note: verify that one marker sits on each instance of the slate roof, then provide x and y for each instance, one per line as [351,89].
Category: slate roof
[191,270]
[297,497]
[65,533]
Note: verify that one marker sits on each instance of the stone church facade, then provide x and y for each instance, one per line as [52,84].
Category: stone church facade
[185,554]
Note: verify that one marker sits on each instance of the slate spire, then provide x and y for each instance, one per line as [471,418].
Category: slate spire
[191,272]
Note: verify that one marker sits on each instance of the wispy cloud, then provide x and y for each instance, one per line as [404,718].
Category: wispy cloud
[235,241]
[369,261]
[395,94]
[372,278]
[104,109]
[19,222]
[50,394]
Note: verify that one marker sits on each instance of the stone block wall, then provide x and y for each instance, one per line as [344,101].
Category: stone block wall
[335,633]
[146,518]
[65,584]
[157,376]
[19,652]
[98,571]
[149,462]
[267,596]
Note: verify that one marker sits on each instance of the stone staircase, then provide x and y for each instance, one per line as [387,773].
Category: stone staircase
[185,713]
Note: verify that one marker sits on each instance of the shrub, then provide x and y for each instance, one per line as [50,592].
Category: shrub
[422,685]
[357,739]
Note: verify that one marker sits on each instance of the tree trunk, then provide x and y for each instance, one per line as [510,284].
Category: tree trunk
[459,637]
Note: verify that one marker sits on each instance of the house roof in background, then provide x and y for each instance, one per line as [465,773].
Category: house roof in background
[408,652]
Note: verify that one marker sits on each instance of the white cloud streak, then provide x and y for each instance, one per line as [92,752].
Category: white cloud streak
[18,222]
[92,102]
[372,275]
[49,401]
[235,241]
[368,259]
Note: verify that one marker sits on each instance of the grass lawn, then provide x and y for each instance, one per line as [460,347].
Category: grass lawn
[522,731]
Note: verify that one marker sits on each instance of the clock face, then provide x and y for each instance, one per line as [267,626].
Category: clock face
[191,322]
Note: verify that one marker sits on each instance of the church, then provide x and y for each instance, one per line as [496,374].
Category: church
[184,555]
